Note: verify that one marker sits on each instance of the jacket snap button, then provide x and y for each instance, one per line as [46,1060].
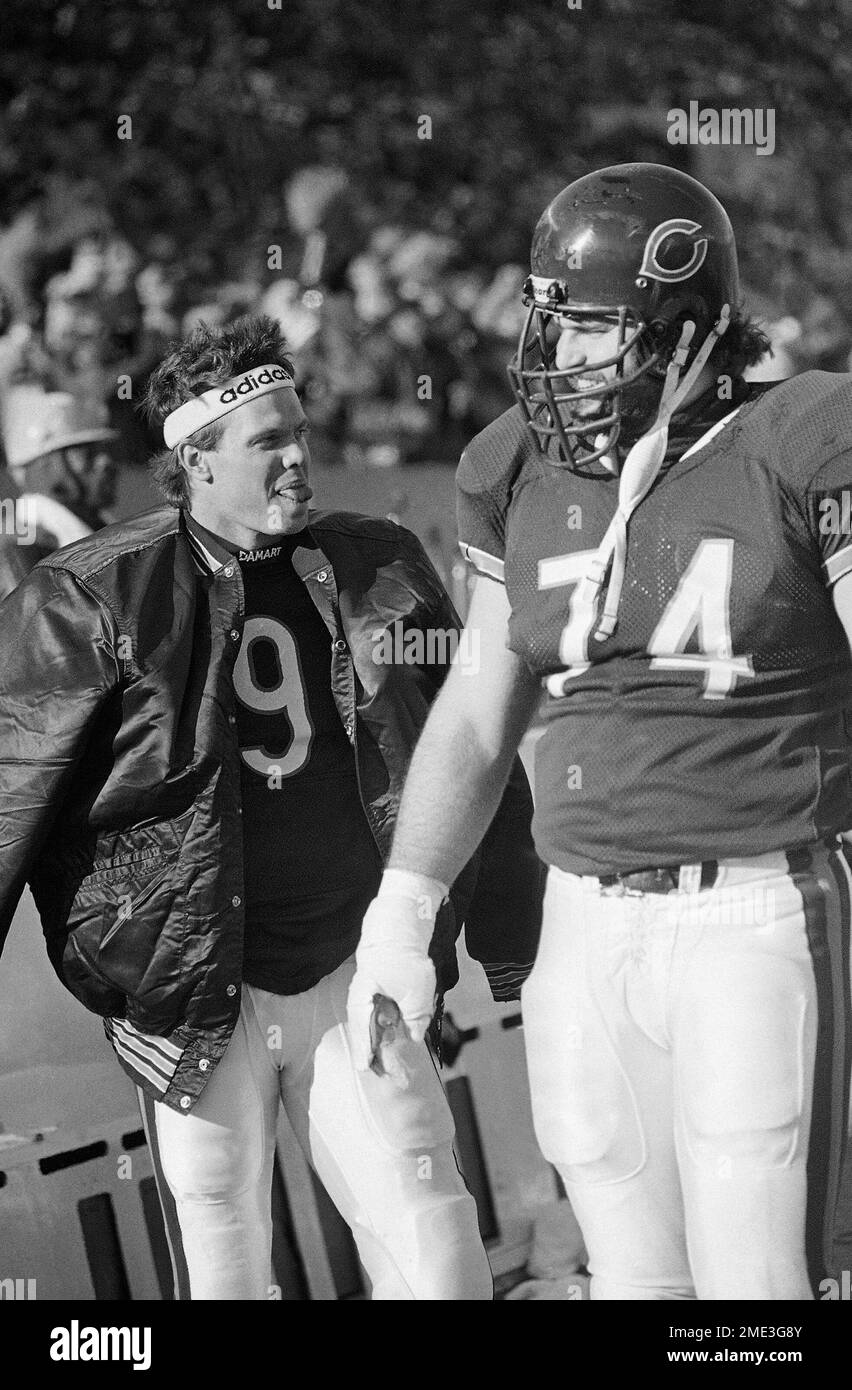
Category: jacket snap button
[322,576]
[203,1065]
[235,901]
[339,645]
[234,633]
[231,991]
[185,1102]
[229,571]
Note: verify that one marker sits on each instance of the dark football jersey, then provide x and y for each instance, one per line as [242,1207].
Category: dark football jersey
[715,720]
[311,864]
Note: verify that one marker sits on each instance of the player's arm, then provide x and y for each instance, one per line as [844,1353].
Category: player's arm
[57,668]
[464,754]
[453,788]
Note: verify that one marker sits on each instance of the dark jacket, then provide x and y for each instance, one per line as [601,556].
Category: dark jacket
[120,774]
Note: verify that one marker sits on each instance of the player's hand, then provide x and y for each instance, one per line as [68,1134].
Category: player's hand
[392,961]
[388,1035]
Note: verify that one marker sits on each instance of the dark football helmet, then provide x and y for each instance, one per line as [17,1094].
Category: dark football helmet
[644,247]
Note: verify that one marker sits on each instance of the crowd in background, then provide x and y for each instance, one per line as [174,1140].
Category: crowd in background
[400,347]
[400,342]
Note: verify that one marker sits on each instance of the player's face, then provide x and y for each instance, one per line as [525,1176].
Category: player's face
[259,483]
[583,342]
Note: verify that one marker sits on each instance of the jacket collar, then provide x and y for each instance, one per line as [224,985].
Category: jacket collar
[211,557]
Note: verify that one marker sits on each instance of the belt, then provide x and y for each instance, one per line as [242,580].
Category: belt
[687,878]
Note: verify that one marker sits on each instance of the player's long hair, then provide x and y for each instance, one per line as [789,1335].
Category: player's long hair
[743,345]
[206,358]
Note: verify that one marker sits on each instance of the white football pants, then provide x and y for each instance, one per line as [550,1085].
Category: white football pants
[385,1156]
[689,1061]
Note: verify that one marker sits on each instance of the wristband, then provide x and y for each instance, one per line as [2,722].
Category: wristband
[427,892]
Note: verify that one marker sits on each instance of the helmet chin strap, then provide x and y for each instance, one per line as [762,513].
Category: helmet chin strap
[640,469]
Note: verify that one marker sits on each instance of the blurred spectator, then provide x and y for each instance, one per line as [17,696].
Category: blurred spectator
[60,456]
[418,268]
[22,356]
[156,291]
[500,310]
[370,282]
[324,211]
[92,315]
[300,320]
[100,340]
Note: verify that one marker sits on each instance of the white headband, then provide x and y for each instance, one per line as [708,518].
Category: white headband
[203,410]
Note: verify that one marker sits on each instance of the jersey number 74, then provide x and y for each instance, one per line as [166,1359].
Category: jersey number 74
[700,606]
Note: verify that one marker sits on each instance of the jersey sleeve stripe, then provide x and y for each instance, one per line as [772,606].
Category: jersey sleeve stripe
[483,562]
[505,980]
[838,564]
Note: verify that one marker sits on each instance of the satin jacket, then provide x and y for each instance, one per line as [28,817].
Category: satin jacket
[120,773]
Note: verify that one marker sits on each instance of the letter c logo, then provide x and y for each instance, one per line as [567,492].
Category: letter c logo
[651,269]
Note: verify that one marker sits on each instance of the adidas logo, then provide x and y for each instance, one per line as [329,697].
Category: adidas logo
[251,383]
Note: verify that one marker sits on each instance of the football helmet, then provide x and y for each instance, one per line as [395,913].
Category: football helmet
[646,248]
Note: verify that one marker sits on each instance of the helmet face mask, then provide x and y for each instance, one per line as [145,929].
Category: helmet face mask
[550,398]
[642,248]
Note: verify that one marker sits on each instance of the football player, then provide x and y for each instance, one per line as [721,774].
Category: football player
[201,759]
[663,547]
